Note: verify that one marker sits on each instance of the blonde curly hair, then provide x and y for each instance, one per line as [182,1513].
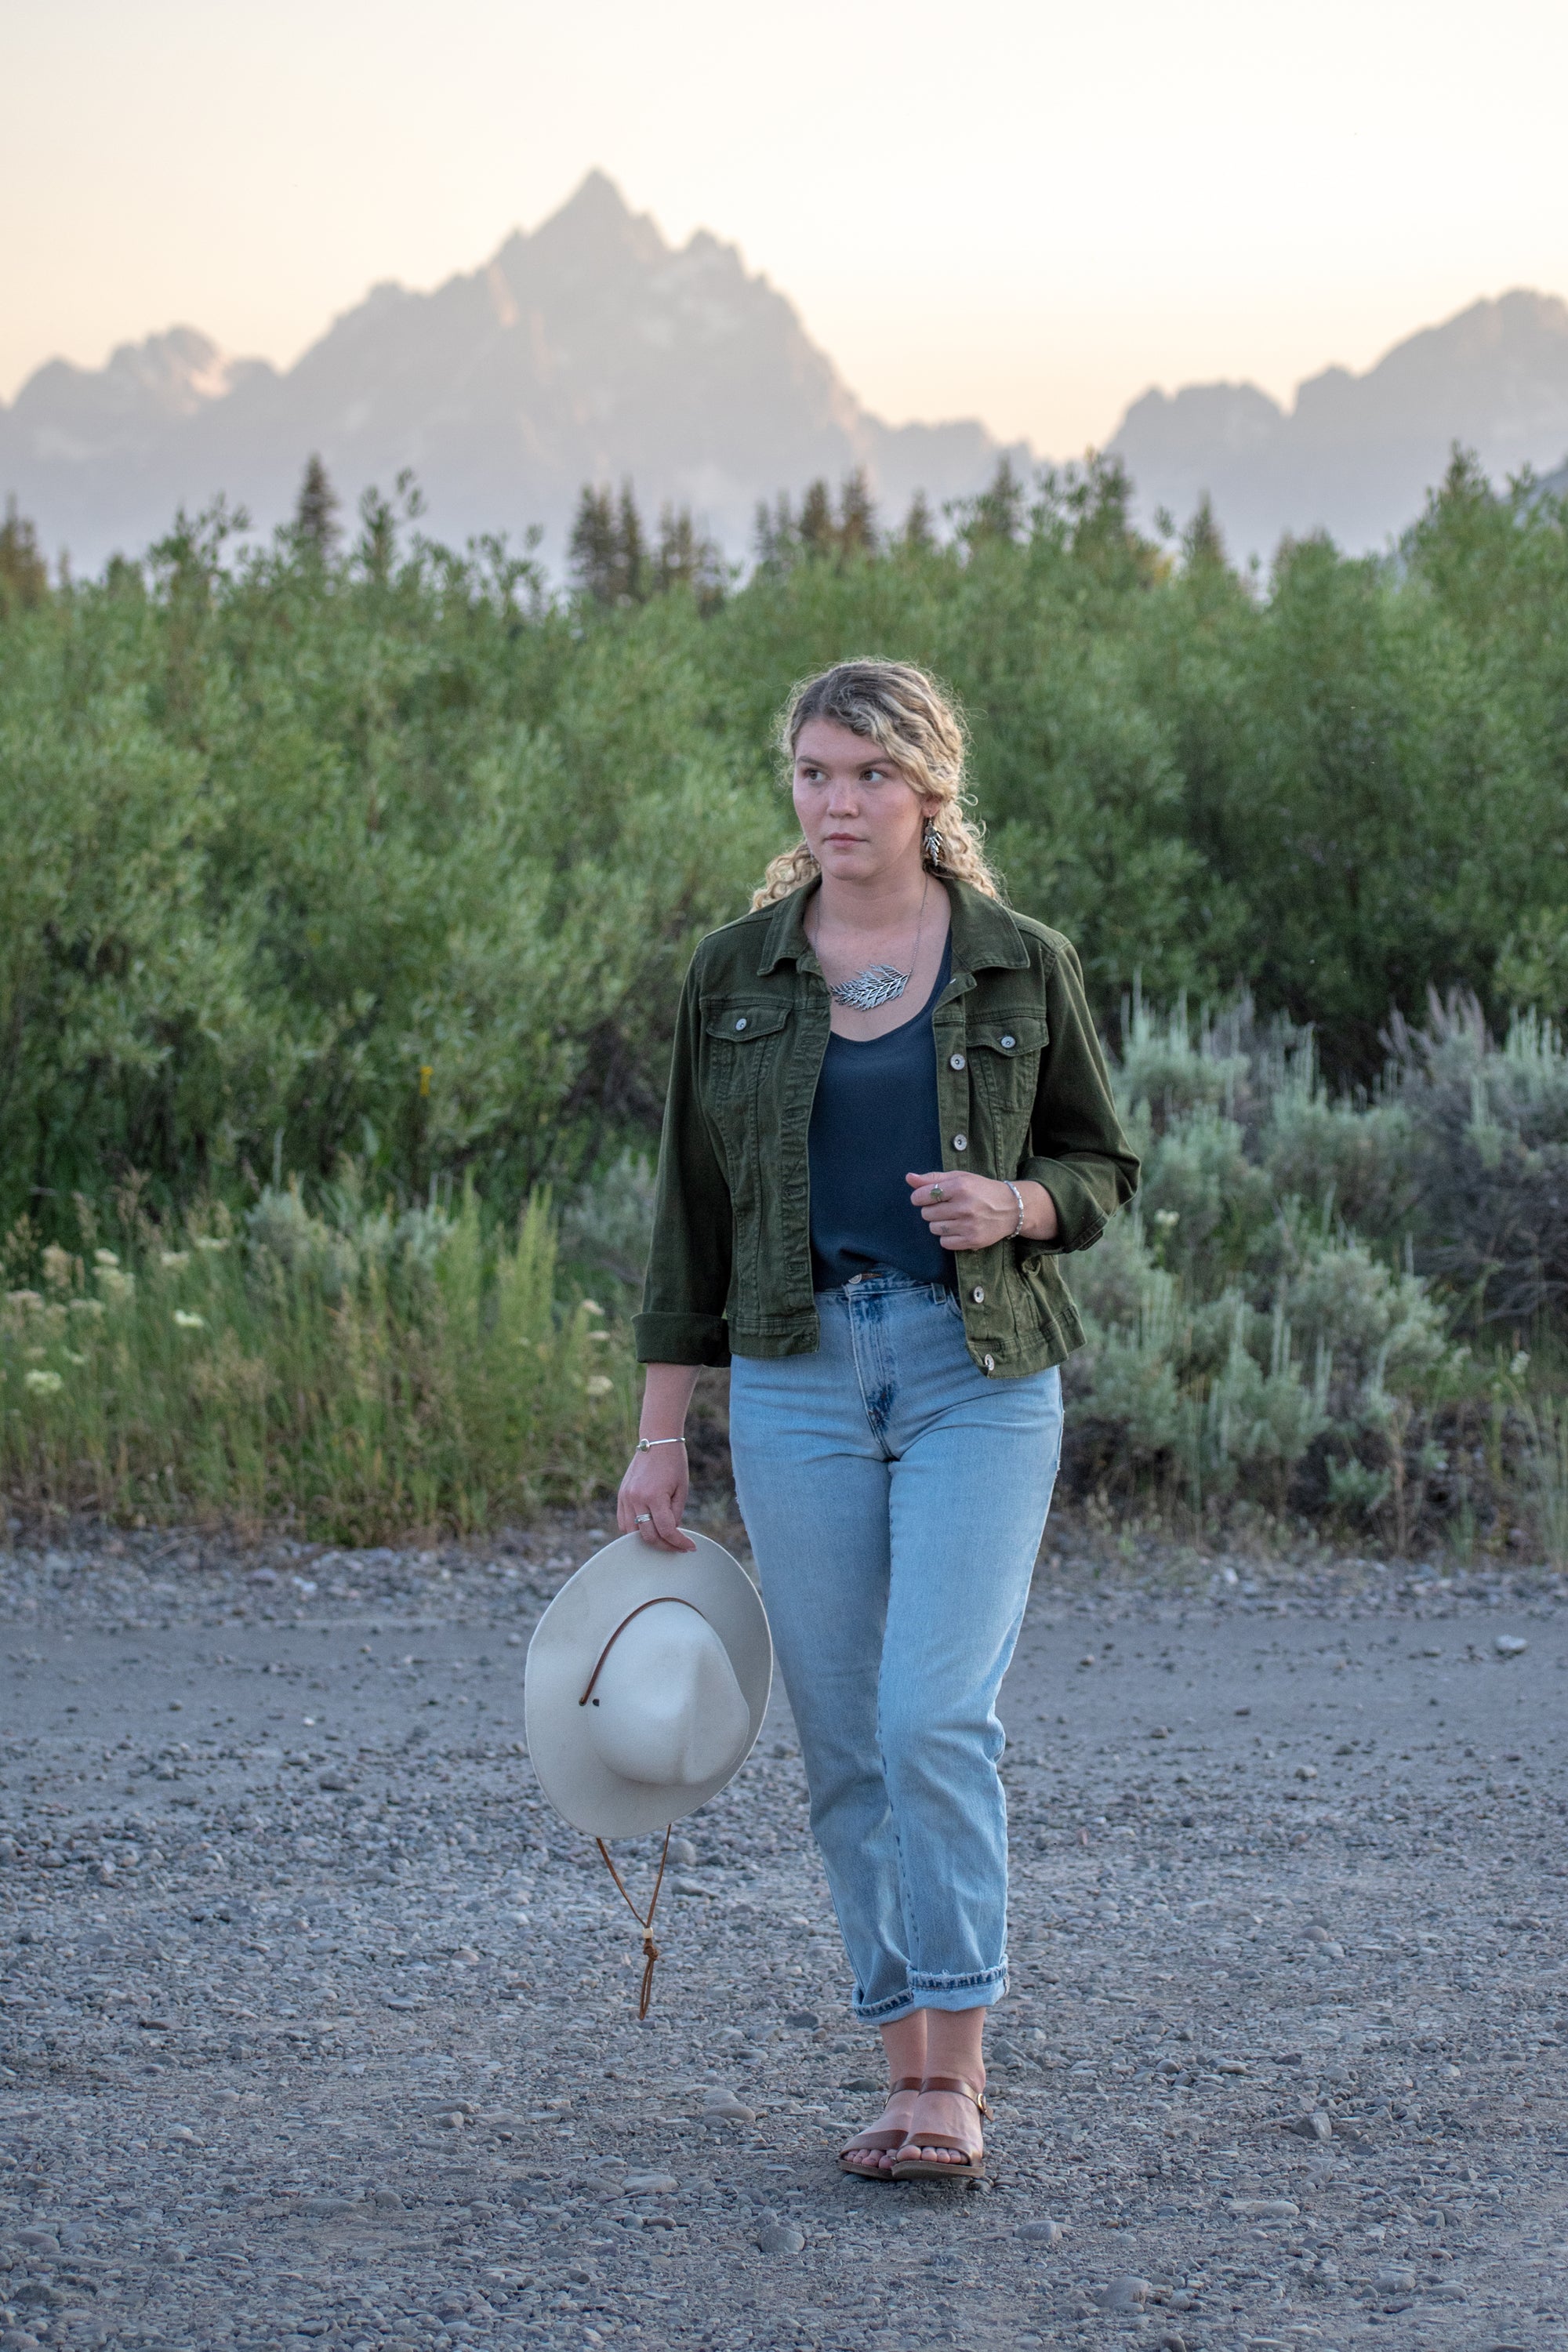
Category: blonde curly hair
[902,711]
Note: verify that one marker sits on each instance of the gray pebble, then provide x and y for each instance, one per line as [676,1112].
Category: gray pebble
[726,2109]
[1510,1645]
[682,1853]
[1043,2234]
[650,2184]
[1315,2127]
[1394,2280]
[776,2237]
[1127,2294]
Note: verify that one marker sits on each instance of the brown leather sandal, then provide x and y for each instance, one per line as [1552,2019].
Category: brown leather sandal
[921,2168]
[876,2143]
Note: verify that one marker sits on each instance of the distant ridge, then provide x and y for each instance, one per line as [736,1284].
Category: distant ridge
[590,350]
[1356,454]
[593,351]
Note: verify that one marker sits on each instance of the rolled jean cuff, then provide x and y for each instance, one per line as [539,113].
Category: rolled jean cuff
[980,1991]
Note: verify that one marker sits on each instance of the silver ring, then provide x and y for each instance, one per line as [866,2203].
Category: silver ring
[644,1519]
[937,1193]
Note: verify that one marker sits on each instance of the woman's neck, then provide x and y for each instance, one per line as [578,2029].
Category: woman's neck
[882,903]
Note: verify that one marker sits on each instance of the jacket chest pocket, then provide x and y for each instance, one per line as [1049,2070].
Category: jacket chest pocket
[1004,1056]
[741,1042]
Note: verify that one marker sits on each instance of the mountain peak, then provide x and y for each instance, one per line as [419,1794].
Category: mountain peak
[594,224]
[596,197]
[588,350]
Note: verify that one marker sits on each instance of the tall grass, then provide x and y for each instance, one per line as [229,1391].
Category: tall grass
[1546,1473]
[353,1373]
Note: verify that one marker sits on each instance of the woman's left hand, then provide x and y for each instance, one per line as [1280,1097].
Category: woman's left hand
[970,1213]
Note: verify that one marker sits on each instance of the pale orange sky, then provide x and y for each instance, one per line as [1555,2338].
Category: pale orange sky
[1024,210]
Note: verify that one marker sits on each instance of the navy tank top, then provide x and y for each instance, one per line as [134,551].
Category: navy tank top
[874,1120]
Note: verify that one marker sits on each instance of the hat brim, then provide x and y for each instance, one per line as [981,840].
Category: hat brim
[566,1645]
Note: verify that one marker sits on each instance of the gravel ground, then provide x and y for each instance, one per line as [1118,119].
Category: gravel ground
[319,2025]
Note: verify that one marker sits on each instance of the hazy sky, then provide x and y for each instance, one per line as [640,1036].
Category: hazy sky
[1026,210]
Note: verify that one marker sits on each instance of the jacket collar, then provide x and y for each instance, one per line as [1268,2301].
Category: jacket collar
[984,935]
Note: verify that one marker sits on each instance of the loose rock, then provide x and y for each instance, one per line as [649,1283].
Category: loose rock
[776,2237]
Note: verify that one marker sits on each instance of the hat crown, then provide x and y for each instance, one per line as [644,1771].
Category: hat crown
[665,1709]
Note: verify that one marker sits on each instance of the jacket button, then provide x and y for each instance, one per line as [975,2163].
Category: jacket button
[955,1061]
[961,1143]
[1008,1044]
[990,1362]
[741,1024]
[978,1294]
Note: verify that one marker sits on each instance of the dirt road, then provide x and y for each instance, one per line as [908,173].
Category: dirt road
[318,2026]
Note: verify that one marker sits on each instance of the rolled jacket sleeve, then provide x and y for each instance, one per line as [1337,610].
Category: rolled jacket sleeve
[687,1282]
[1077,1148]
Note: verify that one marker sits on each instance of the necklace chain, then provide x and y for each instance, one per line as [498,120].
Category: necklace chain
[880,983]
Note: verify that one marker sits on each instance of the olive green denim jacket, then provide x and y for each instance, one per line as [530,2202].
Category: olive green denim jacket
[1022,1091]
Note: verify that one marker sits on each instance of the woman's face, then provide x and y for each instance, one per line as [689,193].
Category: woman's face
[860,816]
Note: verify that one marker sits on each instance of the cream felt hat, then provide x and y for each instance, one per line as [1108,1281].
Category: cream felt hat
[646,1683]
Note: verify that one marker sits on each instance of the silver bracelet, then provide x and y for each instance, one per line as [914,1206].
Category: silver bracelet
[1019,1198]
[647,1444]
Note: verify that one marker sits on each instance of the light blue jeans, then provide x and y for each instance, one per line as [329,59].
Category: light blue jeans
[895,1498]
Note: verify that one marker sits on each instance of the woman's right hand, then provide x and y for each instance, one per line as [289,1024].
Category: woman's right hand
[653,1496]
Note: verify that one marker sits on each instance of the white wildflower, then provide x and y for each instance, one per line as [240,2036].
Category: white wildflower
[43,1383]
[87,1306]
[57,1267]
[598,1386]
[210,1242]
[188,1322]
[174,1259]
[105,1258]
[591,1306]
[1521,1363]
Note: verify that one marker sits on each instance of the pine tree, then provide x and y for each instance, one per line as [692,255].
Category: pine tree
[857,516]
[998,511]
[24,575]
[316,513]
[687,558]
[594,546]
[378,534]
[818,531]
[631,552]
[1203,542]
[774,536]
[918,536]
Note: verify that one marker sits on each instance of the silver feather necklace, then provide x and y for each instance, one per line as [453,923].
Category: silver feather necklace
[880,983]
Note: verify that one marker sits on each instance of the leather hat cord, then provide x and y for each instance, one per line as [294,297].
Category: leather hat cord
[650,1949]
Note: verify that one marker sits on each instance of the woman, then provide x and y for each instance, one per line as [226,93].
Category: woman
[889,1116]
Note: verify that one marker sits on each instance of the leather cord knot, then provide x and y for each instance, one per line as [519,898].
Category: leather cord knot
[650,1950]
